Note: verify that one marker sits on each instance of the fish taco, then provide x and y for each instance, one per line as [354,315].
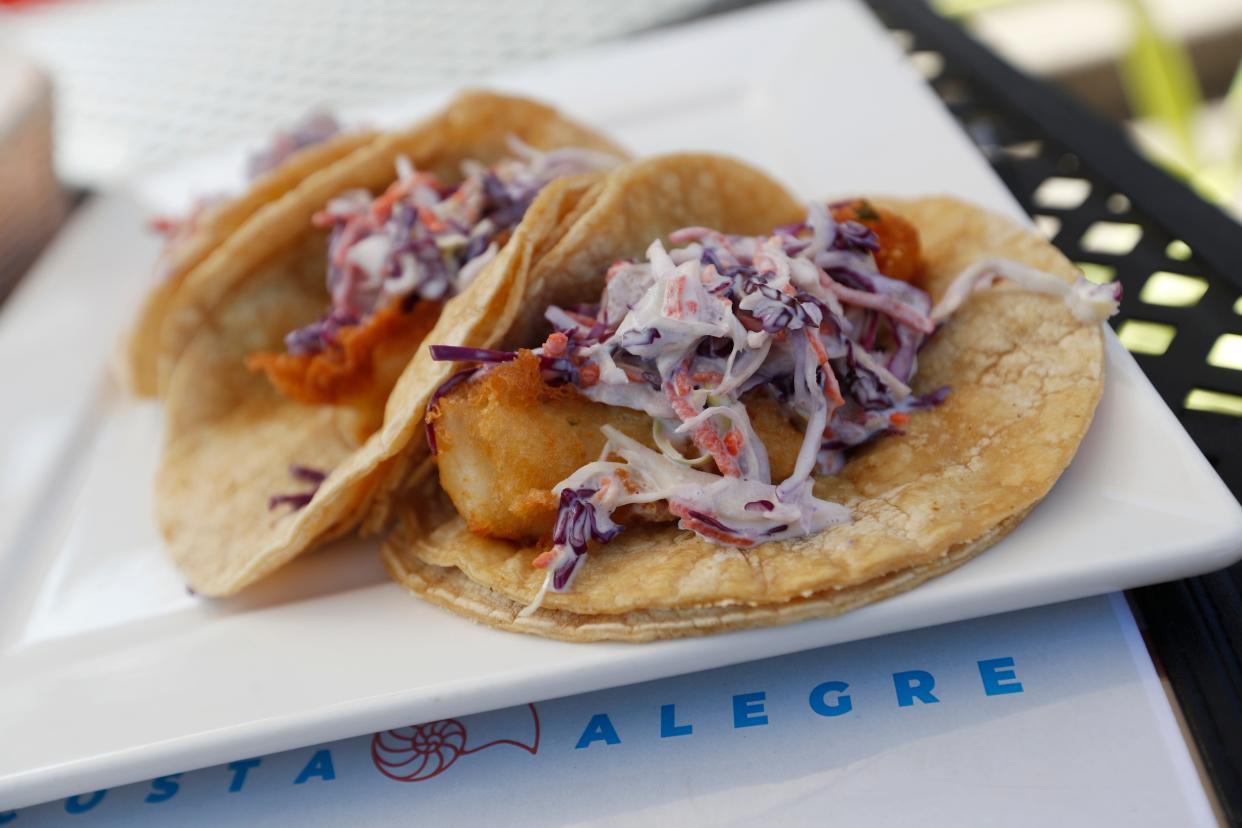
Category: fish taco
[292,156]
[286,345]
[715,416]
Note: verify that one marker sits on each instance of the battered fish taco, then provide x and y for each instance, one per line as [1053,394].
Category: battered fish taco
[711,416]
[292,156]
[285,345]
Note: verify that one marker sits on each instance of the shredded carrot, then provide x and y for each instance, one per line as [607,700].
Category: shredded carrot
[349,234]
[899,418]
[627,482]
[581,319]
[165,225]
[704,434]
[395,192]
[632,374]
[705,529]
[544,559]
[831,387]
[589,375]
[812,338]
[733,441]
[674,298]
[556,344]
[430,220]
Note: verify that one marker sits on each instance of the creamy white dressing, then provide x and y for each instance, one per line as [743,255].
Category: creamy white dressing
[423,238]
[1091,303]
[653,477]
[368,256]
[674,345]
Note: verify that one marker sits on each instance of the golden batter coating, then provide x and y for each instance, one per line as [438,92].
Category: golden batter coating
[505,440]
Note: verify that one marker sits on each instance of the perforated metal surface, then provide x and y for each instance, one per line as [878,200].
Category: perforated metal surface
[1180,306]
[143,82]
[1177,312]
[1181,316]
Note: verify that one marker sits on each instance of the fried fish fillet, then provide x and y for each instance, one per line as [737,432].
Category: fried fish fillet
[360,370]
[506,439]
[900,255]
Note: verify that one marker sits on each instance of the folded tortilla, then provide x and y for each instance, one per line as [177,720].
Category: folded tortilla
[1025,375]
[136,362]
[231,439]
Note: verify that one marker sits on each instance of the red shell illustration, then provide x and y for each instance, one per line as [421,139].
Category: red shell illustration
[419,752]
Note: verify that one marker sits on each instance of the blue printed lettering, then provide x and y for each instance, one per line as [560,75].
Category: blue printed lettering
[7,816]
[240,768]
[320,765]
[668,723]
[164,788]
[599,729]
[914,684]
[999,676]
[839,706]
[78,805]
[748,710]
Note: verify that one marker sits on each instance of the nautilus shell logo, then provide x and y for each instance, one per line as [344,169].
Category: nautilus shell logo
[420,752]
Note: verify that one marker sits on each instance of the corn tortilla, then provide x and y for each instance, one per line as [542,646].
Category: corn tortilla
[230,438]
[138,355]
[1025,375]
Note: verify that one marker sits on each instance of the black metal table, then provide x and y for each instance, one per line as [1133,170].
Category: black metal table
[1031,132]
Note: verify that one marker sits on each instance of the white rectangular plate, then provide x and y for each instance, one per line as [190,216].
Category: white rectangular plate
[111,672]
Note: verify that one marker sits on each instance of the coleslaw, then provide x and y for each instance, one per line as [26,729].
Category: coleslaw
[803,315]
[423,238]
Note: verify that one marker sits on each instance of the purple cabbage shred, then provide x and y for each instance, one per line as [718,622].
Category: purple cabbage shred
[576,525]
[297,500]
[461,353]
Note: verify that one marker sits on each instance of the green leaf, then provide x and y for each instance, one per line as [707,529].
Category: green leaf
[966,8]
[1233,103]
[1160,83]
[863,211]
